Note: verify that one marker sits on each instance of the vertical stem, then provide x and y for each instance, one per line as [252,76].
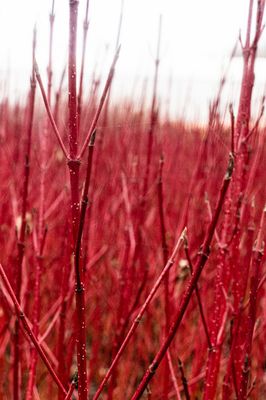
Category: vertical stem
[36,318]
[72,78]
[239,129]
[107,103]
[84,45]
[72,387]
[202,258]
[80,289]
[201,311]
[141,312]
[74,164]
[166,281]
[49,68]
[27,329]
[61,356]
[153,116]
[22,234]
[41,230]
[58,96]
[101,103]
[172,372]
[258,252]
[184,379]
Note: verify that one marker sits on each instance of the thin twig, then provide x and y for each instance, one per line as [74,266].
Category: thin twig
[48,109]
[100,106]
[32,338]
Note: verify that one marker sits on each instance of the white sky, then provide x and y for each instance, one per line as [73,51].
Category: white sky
[197,38]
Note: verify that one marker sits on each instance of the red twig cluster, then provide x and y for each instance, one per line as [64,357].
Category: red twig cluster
[158,274]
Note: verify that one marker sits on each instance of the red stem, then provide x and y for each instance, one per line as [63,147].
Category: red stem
[202,258]
[137,320]
[172,372]
[203,319]
[71,389]
[183,379]
[74,165]
[42,232]
[84,45]
[100,106]
[80,289]
[166,281]
[49,112]
[49,68]
[22,235]
[258,252]
[58,96]
[31,336]
[154,113]
[36,318]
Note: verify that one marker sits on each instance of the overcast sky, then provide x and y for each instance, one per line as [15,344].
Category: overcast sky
[197,38]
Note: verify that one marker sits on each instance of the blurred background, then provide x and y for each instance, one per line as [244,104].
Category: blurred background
[196,42]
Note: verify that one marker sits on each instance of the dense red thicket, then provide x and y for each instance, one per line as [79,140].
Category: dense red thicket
[103,233]
[115,287]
